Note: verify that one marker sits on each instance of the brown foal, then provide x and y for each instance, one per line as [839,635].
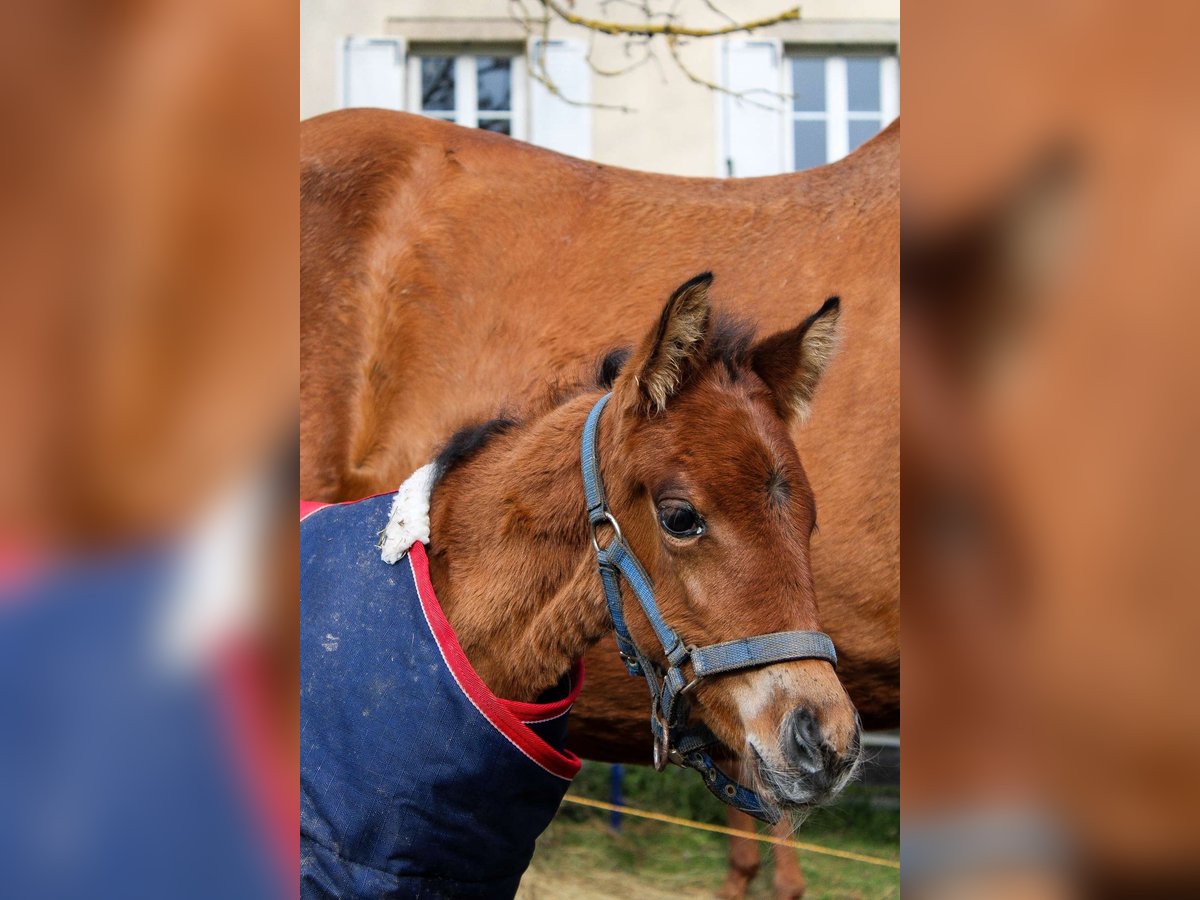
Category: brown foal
[711,494]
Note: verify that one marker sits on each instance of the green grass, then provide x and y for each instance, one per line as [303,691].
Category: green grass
[579,847]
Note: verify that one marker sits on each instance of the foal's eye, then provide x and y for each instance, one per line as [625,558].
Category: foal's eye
[680,520]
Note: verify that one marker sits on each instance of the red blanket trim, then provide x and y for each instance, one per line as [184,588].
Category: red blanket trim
[308,507]
[505,715]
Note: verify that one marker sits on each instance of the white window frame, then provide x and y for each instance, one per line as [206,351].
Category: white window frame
[466,89]
[837,114]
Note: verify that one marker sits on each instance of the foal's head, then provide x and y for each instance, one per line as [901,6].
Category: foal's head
[704,478]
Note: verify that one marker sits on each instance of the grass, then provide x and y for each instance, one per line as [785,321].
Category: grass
[579,857]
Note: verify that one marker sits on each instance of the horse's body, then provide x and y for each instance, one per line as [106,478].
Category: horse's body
[445,271]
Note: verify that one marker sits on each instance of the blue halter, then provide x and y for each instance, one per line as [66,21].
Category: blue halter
[674,739]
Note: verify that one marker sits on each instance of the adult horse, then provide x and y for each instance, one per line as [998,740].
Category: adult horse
[445,271]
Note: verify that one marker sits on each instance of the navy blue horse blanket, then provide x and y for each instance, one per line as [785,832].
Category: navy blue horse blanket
[415,779]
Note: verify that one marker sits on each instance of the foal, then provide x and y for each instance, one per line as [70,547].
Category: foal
[711,495]
[416,779]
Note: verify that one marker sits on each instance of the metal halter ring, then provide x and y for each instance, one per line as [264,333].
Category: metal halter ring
[615,527]
[661,738]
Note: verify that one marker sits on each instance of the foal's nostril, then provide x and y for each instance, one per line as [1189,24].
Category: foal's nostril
[806,727]
[805,746]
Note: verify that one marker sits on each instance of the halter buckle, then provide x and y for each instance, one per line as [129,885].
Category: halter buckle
[696,679]
[612,520]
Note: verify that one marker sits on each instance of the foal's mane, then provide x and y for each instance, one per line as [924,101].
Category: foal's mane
[727,344]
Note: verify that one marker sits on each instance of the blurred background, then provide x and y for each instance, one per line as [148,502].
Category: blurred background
[1049,362]
[148,372]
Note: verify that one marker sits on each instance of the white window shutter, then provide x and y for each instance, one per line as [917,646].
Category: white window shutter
[554,123]
[373,72]
[890,89]
[752,126]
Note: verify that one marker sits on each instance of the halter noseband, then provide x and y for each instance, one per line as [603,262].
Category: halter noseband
[674,739]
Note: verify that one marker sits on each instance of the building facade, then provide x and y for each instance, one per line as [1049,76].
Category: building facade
[795,94]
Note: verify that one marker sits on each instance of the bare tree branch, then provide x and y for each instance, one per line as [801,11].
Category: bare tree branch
[536,60]
[644,44]
[724,15]
[670,27]
[673,46]
[605,4]
[659,23]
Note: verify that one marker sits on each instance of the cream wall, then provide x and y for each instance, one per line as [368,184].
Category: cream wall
[675,124]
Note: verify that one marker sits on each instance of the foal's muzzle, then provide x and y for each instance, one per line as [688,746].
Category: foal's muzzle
[813,769]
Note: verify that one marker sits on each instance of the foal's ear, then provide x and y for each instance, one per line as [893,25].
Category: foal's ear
[791,362]
[665,355]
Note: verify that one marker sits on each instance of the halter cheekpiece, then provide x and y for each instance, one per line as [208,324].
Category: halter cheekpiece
[675,740]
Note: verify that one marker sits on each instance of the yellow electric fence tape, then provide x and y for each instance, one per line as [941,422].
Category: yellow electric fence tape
[735,832]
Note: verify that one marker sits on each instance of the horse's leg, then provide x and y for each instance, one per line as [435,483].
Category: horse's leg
[789,880]
[743,858]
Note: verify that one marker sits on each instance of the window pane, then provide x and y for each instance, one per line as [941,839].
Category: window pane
[862,83]
[810,144]
[437,82]
[808,84]
[500,126]
[862,131]
[495,81]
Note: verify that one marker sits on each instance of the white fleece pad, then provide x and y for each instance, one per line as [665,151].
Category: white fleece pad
[409,520]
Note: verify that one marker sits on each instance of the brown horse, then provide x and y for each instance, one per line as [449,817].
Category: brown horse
[432,257]
[712,497]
